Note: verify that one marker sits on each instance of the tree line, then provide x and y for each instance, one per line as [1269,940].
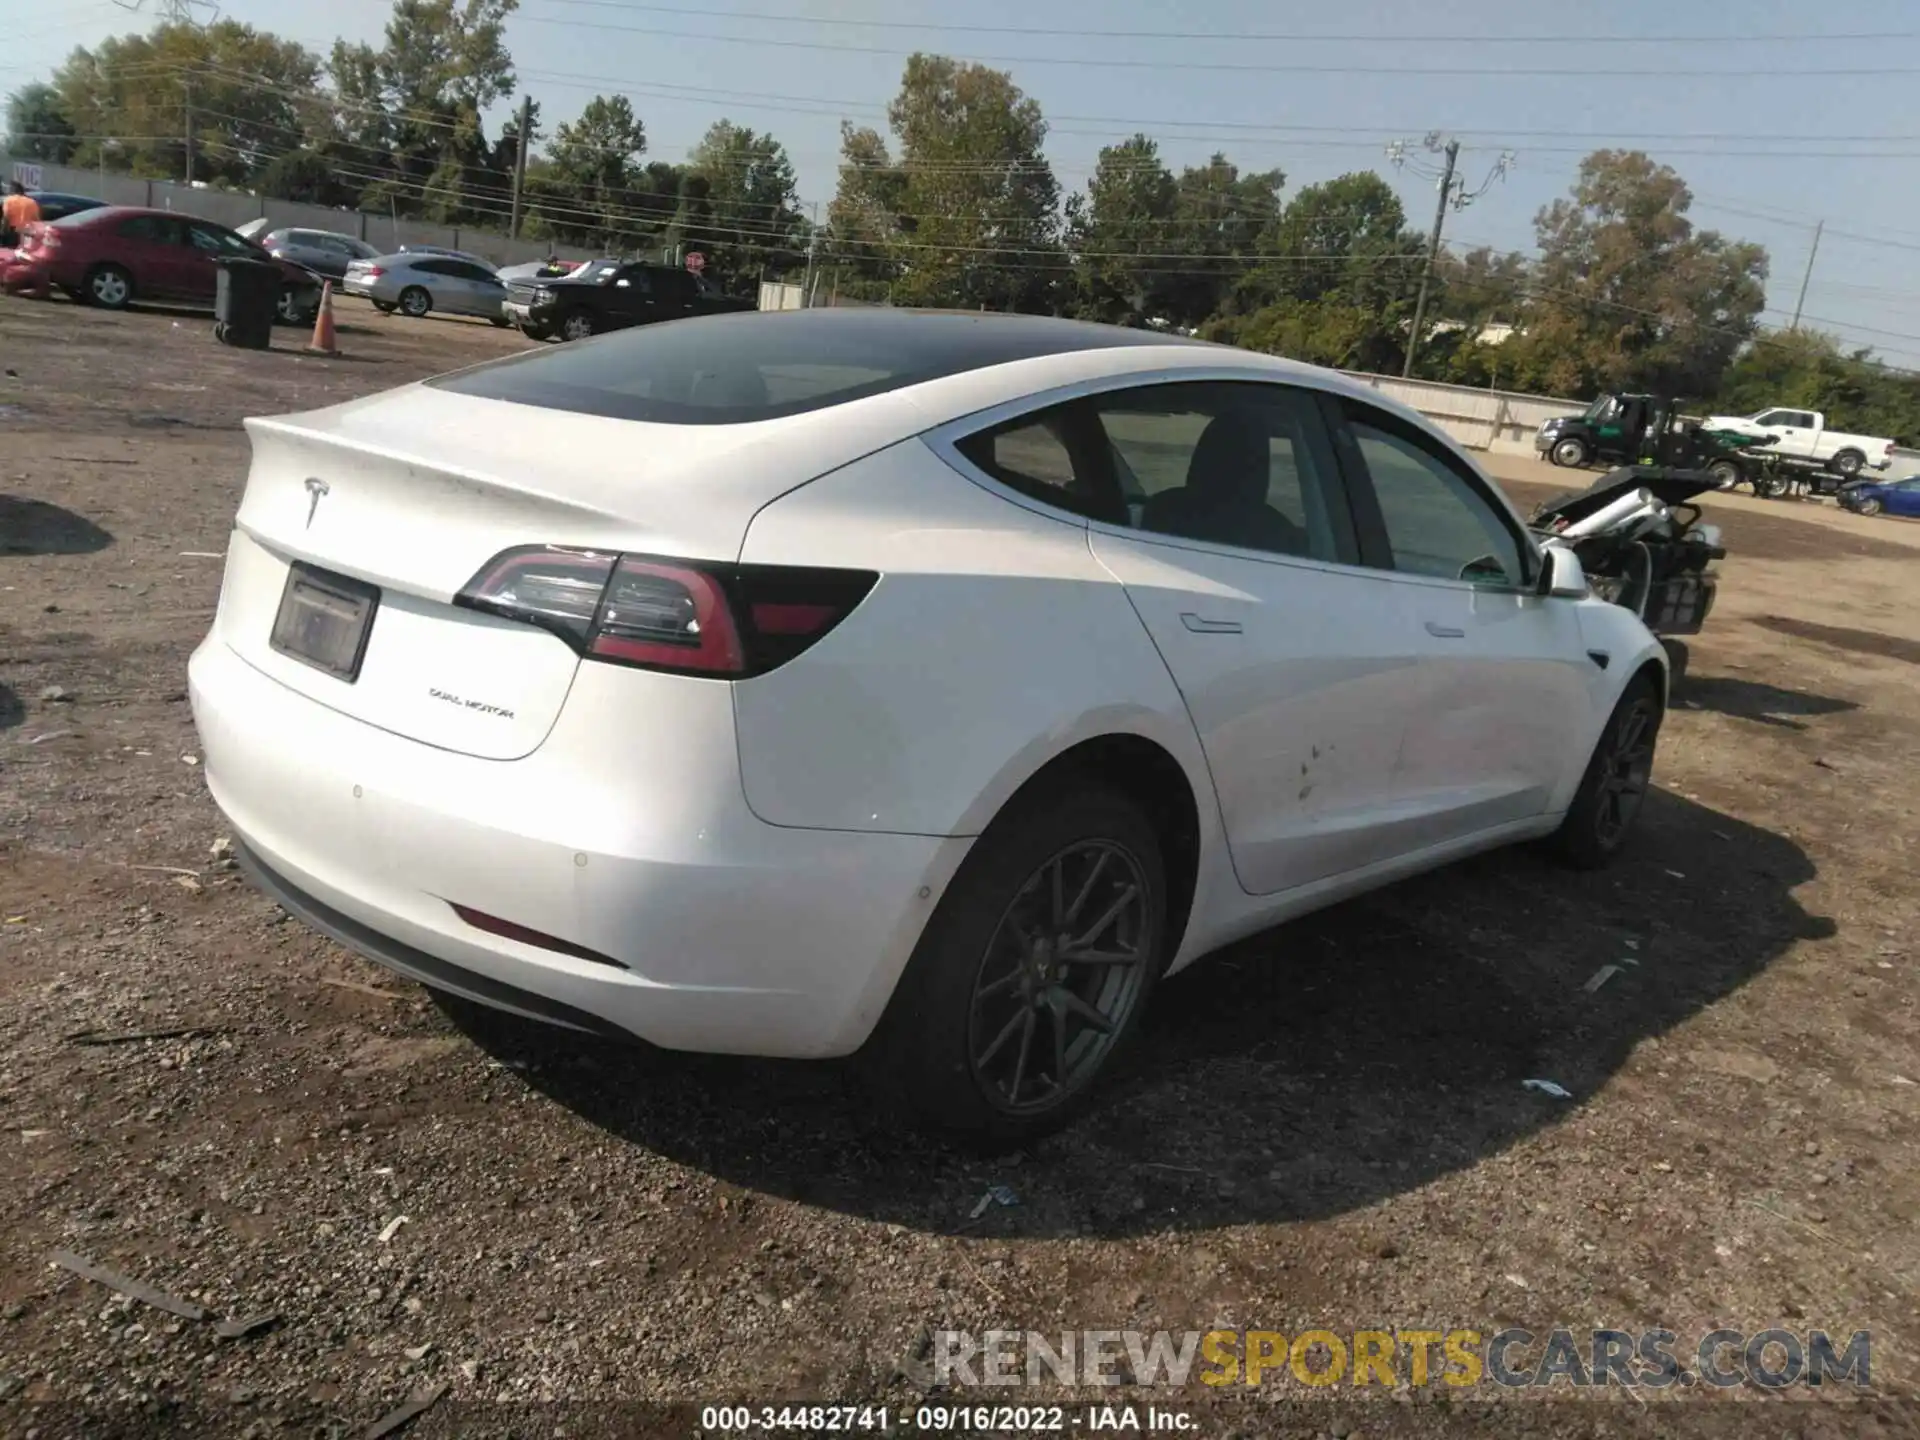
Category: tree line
[954,203]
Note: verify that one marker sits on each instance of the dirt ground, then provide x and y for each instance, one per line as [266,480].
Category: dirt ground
[1326,1128]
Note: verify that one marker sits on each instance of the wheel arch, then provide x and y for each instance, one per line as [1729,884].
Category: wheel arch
[1148,774]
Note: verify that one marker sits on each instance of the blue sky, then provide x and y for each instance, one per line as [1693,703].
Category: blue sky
[1747,119]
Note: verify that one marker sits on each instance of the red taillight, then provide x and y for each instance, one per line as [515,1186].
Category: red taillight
[669,617]
[691,618]
[373,272]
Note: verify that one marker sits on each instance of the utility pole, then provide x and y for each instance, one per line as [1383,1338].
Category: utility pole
[1822,225]
[1452,152]
[187,87]
[813,245]
[520,163]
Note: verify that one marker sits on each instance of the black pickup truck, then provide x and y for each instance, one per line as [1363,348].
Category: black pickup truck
[611,295]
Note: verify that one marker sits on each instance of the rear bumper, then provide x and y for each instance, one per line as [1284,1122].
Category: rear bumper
[736,936]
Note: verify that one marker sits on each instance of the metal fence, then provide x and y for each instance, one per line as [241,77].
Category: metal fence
[236,208]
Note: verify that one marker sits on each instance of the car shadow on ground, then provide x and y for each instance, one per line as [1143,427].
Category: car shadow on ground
[12,712]
[1311,1071]
[34,527]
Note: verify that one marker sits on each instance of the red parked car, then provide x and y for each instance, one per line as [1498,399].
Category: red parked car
[119,254]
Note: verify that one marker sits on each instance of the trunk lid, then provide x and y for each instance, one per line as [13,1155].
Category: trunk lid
[415,490]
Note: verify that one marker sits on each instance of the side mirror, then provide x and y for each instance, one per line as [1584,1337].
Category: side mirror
[1560,574]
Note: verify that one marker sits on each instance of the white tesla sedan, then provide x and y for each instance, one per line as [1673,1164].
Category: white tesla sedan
[795,683]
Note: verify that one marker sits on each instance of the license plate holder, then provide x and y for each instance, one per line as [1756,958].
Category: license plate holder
[325,620]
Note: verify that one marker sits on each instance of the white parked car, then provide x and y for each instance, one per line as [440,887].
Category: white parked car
[1802,436]
[786,684]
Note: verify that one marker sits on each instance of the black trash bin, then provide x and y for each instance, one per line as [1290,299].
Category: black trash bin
[245,298]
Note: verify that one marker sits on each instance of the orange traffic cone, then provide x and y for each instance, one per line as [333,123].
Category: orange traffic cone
[323,342]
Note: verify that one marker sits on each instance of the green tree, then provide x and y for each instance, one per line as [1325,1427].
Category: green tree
[249,93]
[412,110]
[1119,232]
[1222,220]
[967,216]
[594,162]
[751,196]
[1627,294]
[37,126]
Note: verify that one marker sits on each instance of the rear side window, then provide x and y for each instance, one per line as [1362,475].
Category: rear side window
[1034,456]
[155,228]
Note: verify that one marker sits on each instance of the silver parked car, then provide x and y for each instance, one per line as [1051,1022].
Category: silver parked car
[325,252]
[480,260]
[417,284]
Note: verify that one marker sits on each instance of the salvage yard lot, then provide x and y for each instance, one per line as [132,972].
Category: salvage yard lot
[1326,1127]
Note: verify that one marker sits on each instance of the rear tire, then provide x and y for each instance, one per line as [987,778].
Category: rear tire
[1848,463]
[109,287]
[415,302]
[1614,789]
[1771,487]
[1047,945]
[1725,474]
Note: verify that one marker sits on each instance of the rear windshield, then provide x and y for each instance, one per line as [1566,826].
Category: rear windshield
[732,369]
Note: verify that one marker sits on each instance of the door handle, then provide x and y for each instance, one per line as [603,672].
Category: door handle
[1200,625]
[1445,632]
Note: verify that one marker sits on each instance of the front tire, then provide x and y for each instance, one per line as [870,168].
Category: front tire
[577,326]
[1032,975]
[1866,505]
[1571,453]
[1614,788]
[415,302]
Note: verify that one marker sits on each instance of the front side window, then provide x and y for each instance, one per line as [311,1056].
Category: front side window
[1437,520]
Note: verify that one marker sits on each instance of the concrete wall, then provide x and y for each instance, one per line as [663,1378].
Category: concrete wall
[235,208]
[1497,420]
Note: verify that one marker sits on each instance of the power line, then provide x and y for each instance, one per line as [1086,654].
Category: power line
[1251,67]
[1296,37]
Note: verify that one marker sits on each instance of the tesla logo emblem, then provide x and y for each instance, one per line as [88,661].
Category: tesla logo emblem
[316,492]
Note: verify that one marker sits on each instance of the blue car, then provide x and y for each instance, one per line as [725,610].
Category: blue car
[1895,497]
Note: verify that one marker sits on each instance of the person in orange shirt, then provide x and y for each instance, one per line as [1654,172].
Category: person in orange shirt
[18,211]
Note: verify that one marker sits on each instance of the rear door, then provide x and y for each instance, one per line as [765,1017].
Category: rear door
[153,248]
[1504,682]
[1229,527]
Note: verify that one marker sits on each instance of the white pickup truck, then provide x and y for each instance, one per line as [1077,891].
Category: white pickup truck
[1802,437]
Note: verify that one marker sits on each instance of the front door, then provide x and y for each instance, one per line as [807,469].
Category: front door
[1503,680]
[1235,542]
[630,295]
